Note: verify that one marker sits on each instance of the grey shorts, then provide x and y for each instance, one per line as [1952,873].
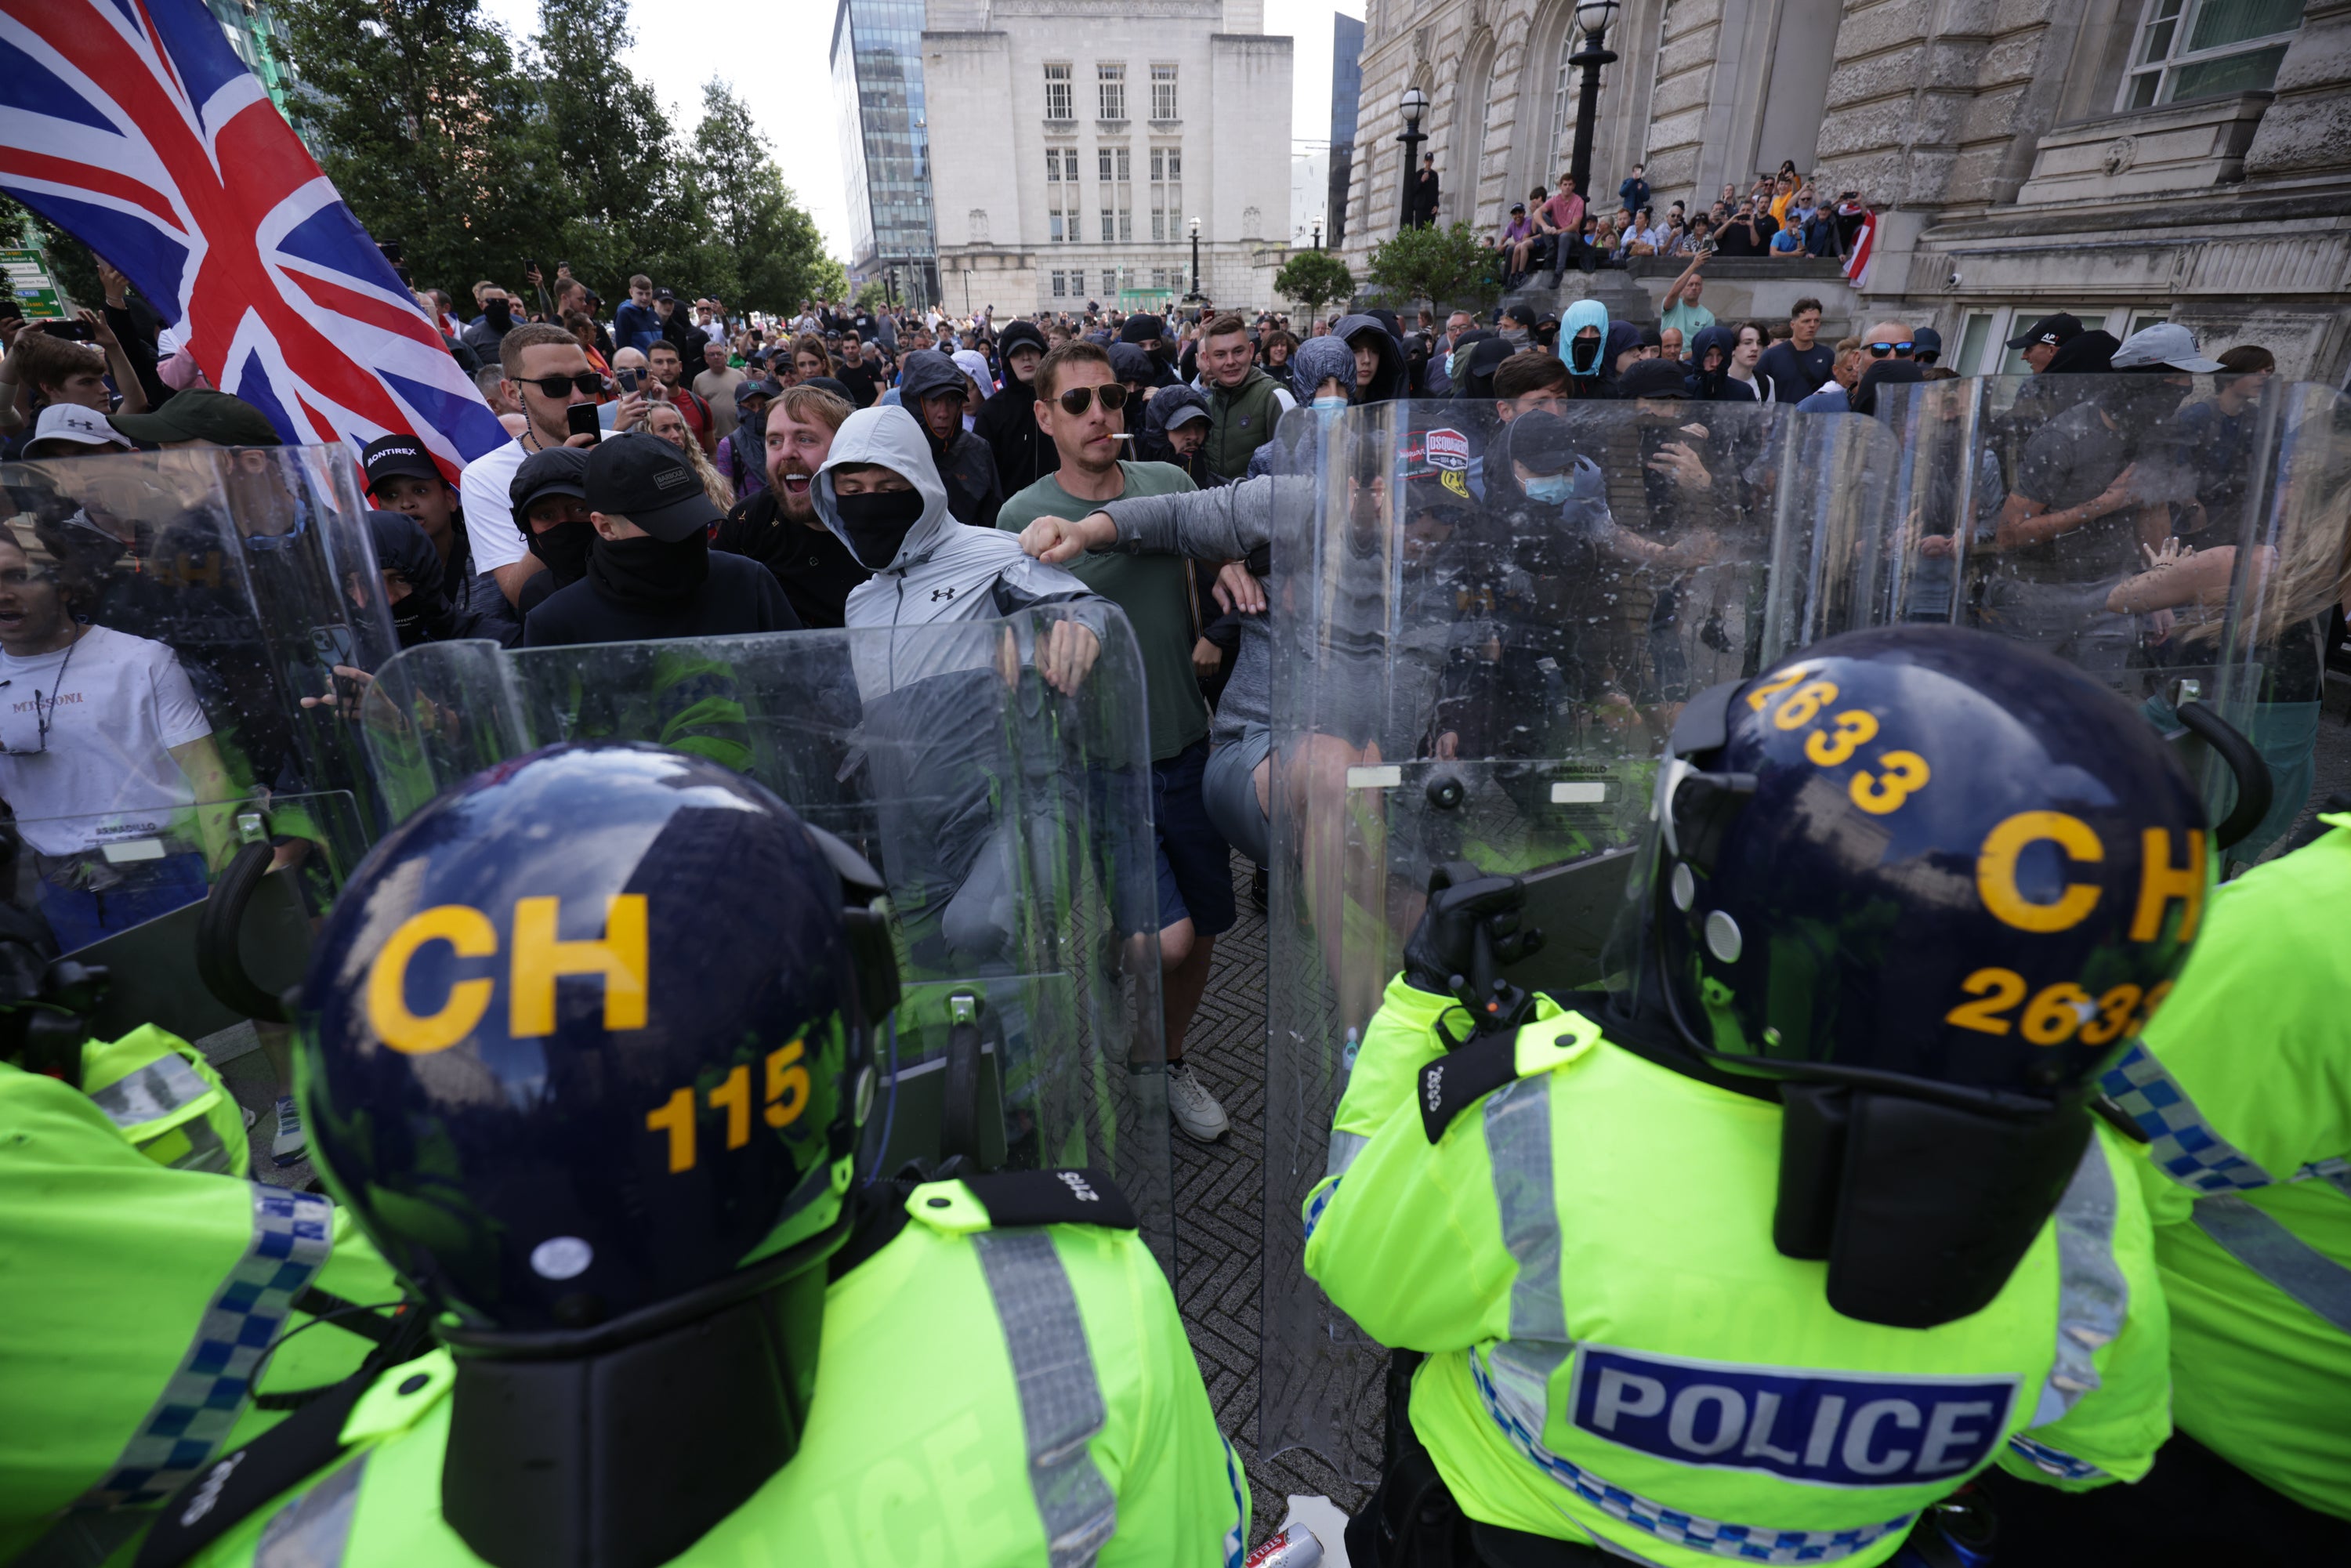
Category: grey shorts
[1228,790]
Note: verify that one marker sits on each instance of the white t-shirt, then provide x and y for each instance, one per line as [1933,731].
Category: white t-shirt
[123,703]
[484,491]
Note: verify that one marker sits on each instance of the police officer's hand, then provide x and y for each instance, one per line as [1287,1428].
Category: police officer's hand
[1444,943]
[1065,652]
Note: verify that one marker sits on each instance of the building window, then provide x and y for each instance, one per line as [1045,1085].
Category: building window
[1167,192]
[1058,94]
[1110,82]
[1113,165]
[1562,103]
[2189,49]
[1061,285]
[1109,283]
[1061,194]
[1163,93]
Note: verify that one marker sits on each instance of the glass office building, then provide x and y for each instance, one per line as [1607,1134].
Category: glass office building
[877,87]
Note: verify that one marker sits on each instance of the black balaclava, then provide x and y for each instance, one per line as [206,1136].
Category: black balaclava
[402,548]
[877,523]
[649,572]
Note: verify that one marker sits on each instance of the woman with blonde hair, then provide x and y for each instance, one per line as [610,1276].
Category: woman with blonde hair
[664,420]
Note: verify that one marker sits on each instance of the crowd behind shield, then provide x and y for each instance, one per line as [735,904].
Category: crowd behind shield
[1480,618]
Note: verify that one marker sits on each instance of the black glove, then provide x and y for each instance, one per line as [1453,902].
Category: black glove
[1466,908]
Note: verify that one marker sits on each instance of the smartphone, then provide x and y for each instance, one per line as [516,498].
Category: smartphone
[71,331]
[584,420]
[628,380]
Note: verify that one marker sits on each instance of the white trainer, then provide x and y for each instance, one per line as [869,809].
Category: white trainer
[289,1143]
[1195,1109]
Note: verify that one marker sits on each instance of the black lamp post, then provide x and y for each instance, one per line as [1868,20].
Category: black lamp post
[1592,17]
[1416,104]
[1192,297]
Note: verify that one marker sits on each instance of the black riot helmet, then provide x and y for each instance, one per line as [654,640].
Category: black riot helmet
[587,1043]
[1927,884]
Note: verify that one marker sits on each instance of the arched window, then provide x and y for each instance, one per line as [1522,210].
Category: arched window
[1563,98]
[1468,154]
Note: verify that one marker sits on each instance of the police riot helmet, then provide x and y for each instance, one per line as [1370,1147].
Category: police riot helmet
[590,1033]
[1930,883]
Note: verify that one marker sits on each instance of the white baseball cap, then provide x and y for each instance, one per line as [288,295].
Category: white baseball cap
[2165,343]
[70,422]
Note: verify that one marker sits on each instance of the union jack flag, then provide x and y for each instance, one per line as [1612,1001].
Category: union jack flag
[131,125]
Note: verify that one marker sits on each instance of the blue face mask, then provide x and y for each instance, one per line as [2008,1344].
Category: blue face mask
[1329,408]
[1550,490]
[1452,365]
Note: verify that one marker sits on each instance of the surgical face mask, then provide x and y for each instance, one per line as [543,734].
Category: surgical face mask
[1452,365]
[1329,408]
[877,523]
[1549,489]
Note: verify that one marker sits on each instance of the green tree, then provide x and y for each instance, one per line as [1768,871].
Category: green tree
[616,174]
[874,293]
[427,127]
[1442,265]
[1313,278]
[764,244]
[69,262]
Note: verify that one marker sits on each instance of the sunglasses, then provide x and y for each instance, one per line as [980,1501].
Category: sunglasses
[1879,351]
[588,382]
[1077,400]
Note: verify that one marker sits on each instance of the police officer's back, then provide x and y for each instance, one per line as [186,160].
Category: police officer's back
[1810,1222]
[592,1045]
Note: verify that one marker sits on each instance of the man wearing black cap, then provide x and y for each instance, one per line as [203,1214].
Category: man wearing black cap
[2042,340]
[199,416]
[650,573]
[1008,422]
[403,478]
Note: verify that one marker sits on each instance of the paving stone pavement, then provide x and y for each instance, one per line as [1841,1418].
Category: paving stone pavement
[1219,1201]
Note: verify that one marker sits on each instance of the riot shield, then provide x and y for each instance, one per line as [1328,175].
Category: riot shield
[2117,522]
[163,616]
[1010,820]
[1470,672]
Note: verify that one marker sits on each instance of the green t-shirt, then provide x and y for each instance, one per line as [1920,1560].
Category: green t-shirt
[1687,320]
[1156,592]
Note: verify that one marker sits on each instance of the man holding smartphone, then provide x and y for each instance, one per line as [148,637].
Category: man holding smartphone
[547,375]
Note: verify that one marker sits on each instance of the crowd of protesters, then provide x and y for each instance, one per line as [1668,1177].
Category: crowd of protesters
[708,492]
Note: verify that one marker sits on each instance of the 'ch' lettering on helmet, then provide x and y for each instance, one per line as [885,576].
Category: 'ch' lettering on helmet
[539,958]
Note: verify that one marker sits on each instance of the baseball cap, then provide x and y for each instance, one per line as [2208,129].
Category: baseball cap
[200,413]
[69,423]
[665,294]
[765,389]
[2050,330]
[2165,343]
[1186,412]
[646,480]
[1653,378]
[1542,441]
[558,471]
[1925,340]
[396,457]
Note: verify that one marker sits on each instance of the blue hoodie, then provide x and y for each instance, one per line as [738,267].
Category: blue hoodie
[1588,363]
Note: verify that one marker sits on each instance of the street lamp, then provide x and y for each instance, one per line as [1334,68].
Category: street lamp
[1592,17]
[1193,296]
[1416,104]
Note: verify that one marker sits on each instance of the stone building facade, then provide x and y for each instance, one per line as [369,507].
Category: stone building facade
[2127,160]
[1073,141]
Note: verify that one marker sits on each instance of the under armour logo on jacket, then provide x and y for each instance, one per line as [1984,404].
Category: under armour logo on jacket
[939,593]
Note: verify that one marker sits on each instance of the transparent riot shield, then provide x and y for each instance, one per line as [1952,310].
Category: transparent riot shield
[1467,673]
[201,914]
[175,610]
[2114,522]
[1010,820]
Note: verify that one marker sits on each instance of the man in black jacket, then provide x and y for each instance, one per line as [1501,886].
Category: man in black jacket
[651,574]
[778,526]
[1008,422]
[932,389]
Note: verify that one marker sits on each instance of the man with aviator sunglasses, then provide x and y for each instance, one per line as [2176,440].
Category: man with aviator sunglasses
[547,373]
[1888,340]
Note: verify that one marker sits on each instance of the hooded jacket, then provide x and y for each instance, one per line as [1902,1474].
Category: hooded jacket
[964,463]
[1154,446]
[1585,365]
[943,572]
[1718,384]
[1008,422]
[401,546]
[1389,381]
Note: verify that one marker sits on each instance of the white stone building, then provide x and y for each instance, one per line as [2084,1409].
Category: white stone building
[2125,159]
[1073,141]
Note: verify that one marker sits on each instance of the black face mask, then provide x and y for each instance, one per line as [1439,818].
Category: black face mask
[499,312]
[877,524]
[564,547]
[647,570]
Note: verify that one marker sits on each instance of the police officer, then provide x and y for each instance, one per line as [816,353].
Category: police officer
[1811,1221]
[592,1042]
[152,1293]
[2243,1088]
